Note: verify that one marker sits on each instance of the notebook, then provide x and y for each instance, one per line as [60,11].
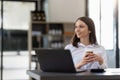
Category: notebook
[56,60]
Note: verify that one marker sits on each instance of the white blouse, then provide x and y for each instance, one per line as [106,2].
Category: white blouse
[79,53]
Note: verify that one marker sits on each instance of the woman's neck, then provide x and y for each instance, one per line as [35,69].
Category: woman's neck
[85,41]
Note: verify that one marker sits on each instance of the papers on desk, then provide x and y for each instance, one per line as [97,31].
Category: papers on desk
[115,71]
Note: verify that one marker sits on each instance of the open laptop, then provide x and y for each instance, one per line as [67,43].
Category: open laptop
[56,60]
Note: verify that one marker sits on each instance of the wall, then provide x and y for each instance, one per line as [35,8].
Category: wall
[65,10]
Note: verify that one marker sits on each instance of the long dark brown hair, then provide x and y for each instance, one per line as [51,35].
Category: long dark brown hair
[92,37]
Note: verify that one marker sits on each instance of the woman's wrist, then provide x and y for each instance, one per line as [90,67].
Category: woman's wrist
[100,61]
[78,66]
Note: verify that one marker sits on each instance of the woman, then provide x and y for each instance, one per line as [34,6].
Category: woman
[86,52]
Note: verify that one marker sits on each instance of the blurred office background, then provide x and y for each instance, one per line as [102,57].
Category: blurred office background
[15,20]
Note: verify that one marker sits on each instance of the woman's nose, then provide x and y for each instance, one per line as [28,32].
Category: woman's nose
[77,29]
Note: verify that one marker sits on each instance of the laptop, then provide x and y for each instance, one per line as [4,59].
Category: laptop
[56,60]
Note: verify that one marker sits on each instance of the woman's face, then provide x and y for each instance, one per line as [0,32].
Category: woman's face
[81,29]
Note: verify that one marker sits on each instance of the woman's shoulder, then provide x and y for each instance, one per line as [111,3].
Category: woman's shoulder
[69,46]
[99,46]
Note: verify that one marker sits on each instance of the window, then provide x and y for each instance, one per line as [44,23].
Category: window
[101,11]
[16,17]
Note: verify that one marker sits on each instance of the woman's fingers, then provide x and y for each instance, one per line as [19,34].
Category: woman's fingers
[90,58]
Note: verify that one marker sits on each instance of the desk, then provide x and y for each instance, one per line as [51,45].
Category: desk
[109,74]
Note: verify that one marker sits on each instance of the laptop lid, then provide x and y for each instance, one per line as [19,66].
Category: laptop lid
[55,60]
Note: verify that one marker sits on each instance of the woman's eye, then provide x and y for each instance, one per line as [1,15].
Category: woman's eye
[81,26]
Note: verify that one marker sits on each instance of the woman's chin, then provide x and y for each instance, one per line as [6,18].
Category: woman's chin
[78,36]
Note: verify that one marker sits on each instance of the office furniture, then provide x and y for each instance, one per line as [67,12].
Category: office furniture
[43,34]
[109,74]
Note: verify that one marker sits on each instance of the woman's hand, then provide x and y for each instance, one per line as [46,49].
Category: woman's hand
[86,59]
[90,57]
[98,58]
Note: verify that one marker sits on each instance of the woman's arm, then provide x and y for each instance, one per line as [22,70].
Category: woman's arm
[102,58]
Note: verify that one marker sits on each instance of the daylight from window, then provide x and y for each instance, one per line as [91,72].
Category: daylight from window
[17,15]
